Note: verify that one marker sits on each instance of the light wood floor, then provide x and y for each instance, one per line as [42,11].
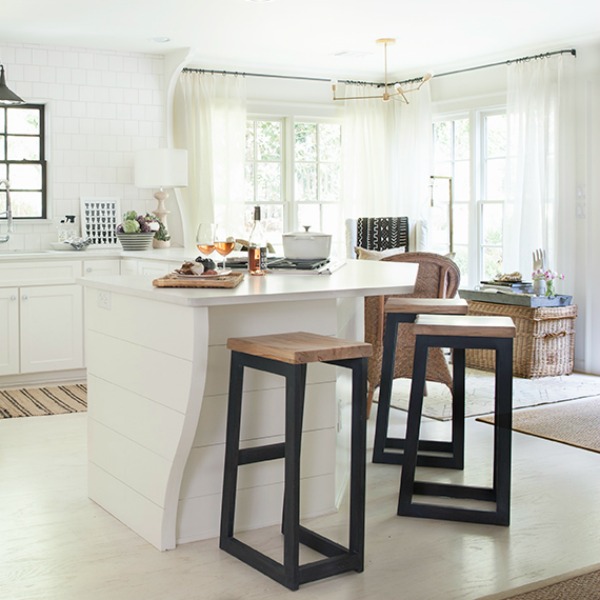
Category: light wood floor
[55,544]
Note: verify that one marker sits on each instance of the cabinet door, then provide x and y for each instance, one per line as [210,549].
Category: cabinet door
[9,331]
[51,328]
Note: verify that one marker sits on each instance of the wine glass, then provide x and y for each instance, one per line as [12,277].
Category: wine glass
[224,244]
[205,238]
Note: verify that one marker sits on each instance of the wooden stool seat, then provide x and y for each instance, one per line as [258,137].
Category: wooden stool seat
[428,306]
[466,326]
[287,355]
[300,347]
[460,332]
[387,449]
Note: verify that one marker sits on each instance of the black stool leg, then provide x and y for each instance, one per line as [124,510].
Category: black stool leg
[413,423]
[458,407]
[232,444]
[357,461]
[390,336]
[503,429]
[294,408]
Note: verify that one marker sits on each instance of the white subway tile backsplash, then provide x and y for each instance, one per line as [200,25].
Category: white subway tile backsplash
[101,107]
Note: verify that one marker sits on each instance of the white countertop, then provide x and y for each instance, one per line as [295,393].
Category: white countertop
[355,278]
[166,254]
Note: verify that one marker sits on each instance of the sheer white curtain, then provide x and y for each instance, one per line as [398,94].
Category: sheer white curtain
[540,207]
[212,126]
[386,155]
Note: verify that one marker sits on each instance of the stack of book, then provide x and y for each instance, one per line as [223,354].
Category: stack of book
[508,287]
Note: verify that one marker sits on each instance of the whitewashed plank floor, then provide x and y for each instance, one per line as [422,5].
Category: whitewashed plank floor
[55,544]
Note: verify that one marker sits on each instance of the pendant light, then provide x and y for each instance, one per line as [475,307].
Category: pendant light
[396,90]
[6,95]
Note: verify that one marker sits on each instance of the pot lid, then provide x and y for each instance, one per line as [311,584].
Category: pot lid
[306,233]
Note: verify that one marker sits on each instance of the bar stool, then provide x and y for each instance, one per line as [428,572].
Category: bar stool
[459,333]
[386,449]
[288,355]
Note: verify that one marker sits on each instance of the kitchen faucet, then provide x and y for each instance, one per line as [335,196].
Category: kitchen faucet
[7,213]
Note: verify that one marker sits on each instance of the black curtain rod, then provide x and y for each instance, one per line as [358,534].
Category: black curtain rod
[571,51]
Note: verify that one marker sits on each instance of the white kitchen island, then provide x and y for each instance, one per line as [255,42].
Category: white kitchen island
[157,393]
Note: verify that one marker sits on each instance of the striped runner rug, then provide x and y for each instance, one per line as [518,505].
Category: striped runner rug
[43,401]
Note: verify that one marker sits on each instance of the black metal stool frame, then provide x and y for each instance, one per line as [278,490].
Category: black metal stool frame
[339,558]
[499,493]
[448,454]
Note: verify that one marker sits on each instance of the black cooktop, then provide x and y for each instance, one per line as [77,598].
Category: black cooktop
[280,262]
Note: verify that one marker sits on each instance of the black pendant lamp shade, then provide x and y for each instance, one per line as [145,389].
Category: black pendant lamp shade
[6,96]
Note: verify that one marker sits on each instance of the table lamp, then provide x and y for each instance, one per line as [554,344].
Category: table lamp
[161,168]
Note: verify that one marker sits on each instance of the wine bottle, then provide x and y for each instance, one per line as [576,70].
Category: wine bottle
[257,246]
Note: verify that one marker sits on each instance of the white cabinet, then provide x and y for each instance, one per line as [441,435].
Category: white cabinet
[9,331]
[41,317]
[51,320]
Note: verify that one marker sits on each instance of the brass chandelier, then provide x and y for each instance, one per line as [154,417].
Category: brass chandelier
[394,91]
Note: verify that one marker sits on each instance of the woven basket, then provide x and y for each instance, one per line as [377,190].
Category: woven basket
[544,344]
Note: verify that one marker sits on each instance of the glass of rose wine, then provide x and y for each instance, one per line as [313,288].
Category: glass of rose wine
[205,238]
[224,244]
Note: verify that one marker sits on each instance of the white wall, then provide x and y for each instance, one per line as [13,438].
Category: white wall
[101,107]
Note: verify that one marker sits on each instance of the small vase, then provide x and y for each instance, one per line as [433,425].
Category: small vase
[550,289]
[539,287]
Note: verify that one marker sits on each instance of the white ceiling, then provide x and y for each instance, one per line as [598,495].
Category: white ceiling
[323,38]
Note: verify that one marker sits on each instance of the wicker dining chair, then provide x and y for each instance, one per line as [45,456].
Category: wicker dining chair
[438,277]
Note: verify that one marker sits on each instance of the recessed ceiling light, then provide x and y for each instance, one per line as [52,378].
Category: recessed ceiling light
[259,1]
[161,39]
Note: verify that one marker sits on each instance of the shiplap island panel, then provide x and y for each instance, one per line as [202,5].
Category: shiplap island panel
[158,377]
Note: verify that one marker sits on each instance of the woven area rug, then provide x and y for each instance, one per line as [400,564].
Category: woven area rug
[583,584]
[576,423]
[43,401]
[479,393]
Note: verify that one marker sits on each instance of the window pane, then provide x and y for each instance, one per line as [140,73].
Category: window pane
[495,135]
[496,179]
[462,147]
[491,217]
[250,140]
[26,204]
[23,120]
[461,224]
[268,182]
[462,181]
[249,184]
[25,177]
[309,215]
[329,182]
[461,258]
[306,182]
[443,141]
[23,148]
[2,142]
[329,142]
[492,263]
[305,141]
[268,137]
[2,116]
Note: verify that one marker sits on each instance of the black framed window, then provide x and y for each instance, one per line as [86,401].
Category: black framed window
[22,159]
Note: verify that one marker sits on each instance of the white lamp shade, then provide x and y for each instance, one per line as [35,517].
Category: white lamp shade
[161,167]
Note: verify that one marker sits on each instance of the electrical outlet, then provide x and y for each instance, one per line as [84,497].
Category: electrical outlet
[104,300]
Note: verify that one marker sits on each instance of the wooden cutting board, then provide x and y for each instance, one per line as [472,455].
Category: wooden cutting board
[172,280]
